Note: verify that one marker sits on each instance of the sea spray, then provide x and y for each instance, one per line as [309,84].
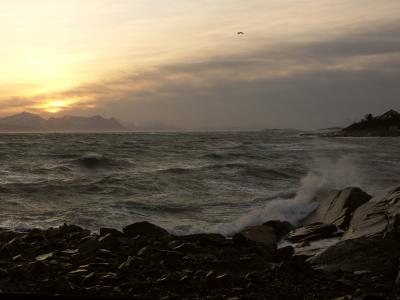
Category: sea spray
[325,174]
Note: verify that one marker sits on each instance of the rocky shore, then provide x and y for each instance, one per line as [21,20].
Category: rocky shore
[348,248]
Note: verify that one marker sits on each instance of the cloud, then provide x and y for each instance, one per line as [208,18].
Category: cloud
[307,84]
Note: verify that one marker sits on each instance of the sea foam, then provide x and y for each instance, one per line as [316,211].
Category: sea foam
[325,174]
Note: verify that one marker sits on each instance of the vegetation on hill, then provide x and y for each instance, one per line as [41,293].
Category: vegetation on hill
[383,125]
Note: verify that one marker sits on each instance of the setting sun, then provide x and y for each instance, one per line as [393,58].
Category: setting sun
[55,106]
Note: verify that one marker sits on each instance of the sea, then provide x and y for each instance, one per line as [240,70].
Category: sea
[186,182]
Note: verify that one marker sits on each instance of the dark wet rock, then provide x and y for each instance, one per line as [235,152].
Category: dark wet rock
[145,251]
[70,228]
[78,272]
[127,263]
[202,239]
[37,268]
[296,266]
[99,267]
[89,246]
[89,278]
[188,248]
[3,274]
[337,207]
[70,232]
[377,255]
[13,246]
[379,217]
[372,296]
[109,278]
[284,253]
[281,228]
[362,272]
[7,235]
[70,251]
[44,257]
[267,234]
[104,253]
[397,281]
[312,232]
[36,234]
[18,258]
[253,276]
[212,240]
[145,229]
[108,242]
[257,234]
[346,297]
[112,231]
[203,266]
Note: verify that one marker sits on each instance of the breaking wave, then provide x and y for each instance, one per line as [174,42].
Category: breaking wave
[186,182]
[325,175]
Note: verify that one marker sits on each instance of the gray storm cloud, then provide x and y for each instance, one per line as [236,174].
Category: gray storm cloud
[312,84]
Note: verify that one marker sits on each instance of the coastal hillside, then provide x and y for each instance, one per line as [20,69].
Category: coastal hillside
[28,122]
[387,124]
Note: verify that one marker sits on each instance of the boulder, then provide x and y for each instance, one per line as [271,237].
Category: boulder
[269,233]
[379,217]
[281,228]
[377,255]
[108,241]
[257,234]
[89,246]
[312,232]
[7,235]
[337,207]
[145,229]
[205,239]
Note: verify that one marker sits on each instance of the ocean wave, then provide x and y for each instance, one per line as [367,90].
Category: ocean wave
[61,187]
[238,169]
[177,170]
[96,160]
[246,169]
[214,156]
[233,155]
[325,175]
[160,208]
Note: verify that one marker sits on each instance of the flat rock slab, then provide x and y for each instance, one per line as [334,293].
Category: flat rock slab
[377,255]
[379,217]
[337,207]
[312,232]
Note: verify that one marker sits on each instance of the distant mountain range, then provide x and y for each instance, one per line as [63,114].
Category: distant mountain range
[28,122]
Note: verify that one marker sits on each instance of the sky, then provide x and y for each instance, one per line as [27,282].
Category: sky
[180,64]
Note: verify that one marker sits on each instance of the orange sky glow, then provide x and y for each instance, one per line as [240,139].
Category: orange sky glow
[61,56]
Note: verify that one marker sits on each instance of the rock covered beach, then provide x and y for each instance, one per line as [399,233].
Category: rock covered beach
[348,248]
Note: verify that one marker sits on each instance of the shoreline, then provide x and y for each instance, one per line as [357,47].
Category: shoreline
[71,261]
[328,258]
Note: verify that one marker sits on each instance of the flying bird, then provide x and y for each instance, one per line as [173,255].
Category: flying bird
[240,32]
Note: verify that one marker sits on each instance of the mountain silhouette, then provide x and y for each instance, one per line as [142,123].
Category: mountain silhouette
[28,122]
